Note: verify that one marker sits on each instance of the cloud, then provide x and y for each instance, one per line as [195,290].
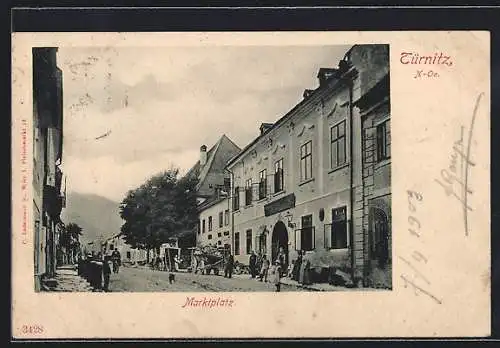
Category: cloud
[160,104]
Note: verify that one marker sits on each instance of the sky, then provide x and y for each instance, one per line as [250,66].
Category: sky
[130,113]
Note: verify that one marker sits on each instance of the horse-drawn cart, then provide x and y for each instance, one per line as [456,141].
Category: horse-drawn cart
[207,260]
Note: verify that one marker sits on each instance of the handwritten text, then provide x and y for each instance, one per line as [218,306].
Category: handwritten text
[456,175]
[416,262]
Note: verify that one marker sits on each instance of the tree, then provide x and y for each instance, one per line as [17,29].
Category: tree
[162,208]
[70,240]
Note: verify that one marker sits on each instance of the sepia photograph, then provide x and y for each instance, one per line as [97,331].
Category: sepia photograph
[186,179]
[231,168]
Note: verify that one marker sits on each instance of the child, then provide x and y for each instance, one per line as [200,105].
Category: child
[277,275]
[289,273]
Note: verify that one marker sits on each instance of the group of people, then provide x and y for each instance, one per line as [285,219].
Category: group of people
[260,265]
[105,263]
[159,263]
[299,269]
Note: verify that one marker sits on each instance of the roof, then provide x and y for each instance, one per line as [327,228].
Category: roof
[332,83]
[202,172]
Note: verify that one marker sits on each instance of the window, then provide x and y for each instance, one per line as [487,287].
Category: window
[307,233]
[248,192]
[306,161]
[219,242]
[199,226]
[383,141]
[226,233]
[278,176]
[339,228]
[203,226]
[236,199]
[227,184]
[237,243]
[219,234]
[226,217]
[209,236]
[111,247]
[337,145]
[129,255]
[249,241]
[210,225]
[263,184]
[221,219]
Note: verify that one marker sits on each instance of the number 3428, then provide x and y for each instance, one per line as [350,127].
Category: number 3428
[32,329]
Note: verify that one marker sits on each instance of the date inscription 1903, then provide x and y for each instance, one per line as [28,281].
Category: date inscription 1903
[417,261]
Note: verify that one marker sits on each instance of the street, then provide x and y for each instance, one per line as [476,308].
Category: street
[144,280]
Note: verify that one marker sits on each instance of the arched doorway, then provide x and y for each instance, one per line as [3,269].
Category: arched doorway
[379,237]
[279,239]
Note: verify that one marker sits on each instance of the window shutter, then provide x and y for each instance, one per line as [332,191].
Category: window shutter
[348,232]
[328,236]
[255,192]
[313,236]
[298,244]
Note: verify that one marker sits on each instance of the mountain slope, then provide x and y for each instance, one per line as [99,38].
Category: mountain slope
[96,215]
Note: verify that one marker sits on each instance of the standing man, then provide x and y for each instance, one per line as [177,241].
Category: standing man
[117,259]
[106,271]
[253,264]
[265,269]
[228,269]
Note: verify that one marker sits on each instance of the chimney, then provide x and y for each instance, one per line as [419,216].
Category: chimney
[307,93]
[264,127]
[325,74]
[203,155]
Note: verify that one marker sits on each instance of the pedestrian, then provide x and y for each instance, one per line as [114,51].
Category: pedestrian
[177,263]
[296,266]
[116,258]
[106,271]
[282,260]
[304,275]
[228,269]
[253,264]
[289,272]
[265,268]
[277,275]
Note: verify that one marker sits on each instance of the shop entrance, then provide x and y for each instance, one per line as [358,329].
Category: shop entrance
[279,240]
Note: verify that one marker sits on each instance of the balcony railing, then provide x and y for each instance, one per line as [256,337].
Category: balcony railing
[52,201]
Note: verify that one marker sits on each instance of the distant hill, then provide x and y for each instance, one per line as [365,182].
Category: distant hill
[96,215]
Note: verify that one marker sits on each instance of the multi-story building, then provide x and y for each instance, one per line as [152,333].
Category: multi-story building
[215,223]
[213,188]
[373,207]
[301,184]
[48,200]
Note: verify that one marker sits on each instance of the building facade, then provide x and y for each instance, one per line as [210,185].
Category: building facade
[214,183]
[127,253]
[303,183]
[215,224]
[373,208]
[48,200]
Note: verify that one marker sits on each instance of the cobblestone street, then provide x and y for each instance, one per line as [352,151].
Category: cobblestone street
[144,279]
